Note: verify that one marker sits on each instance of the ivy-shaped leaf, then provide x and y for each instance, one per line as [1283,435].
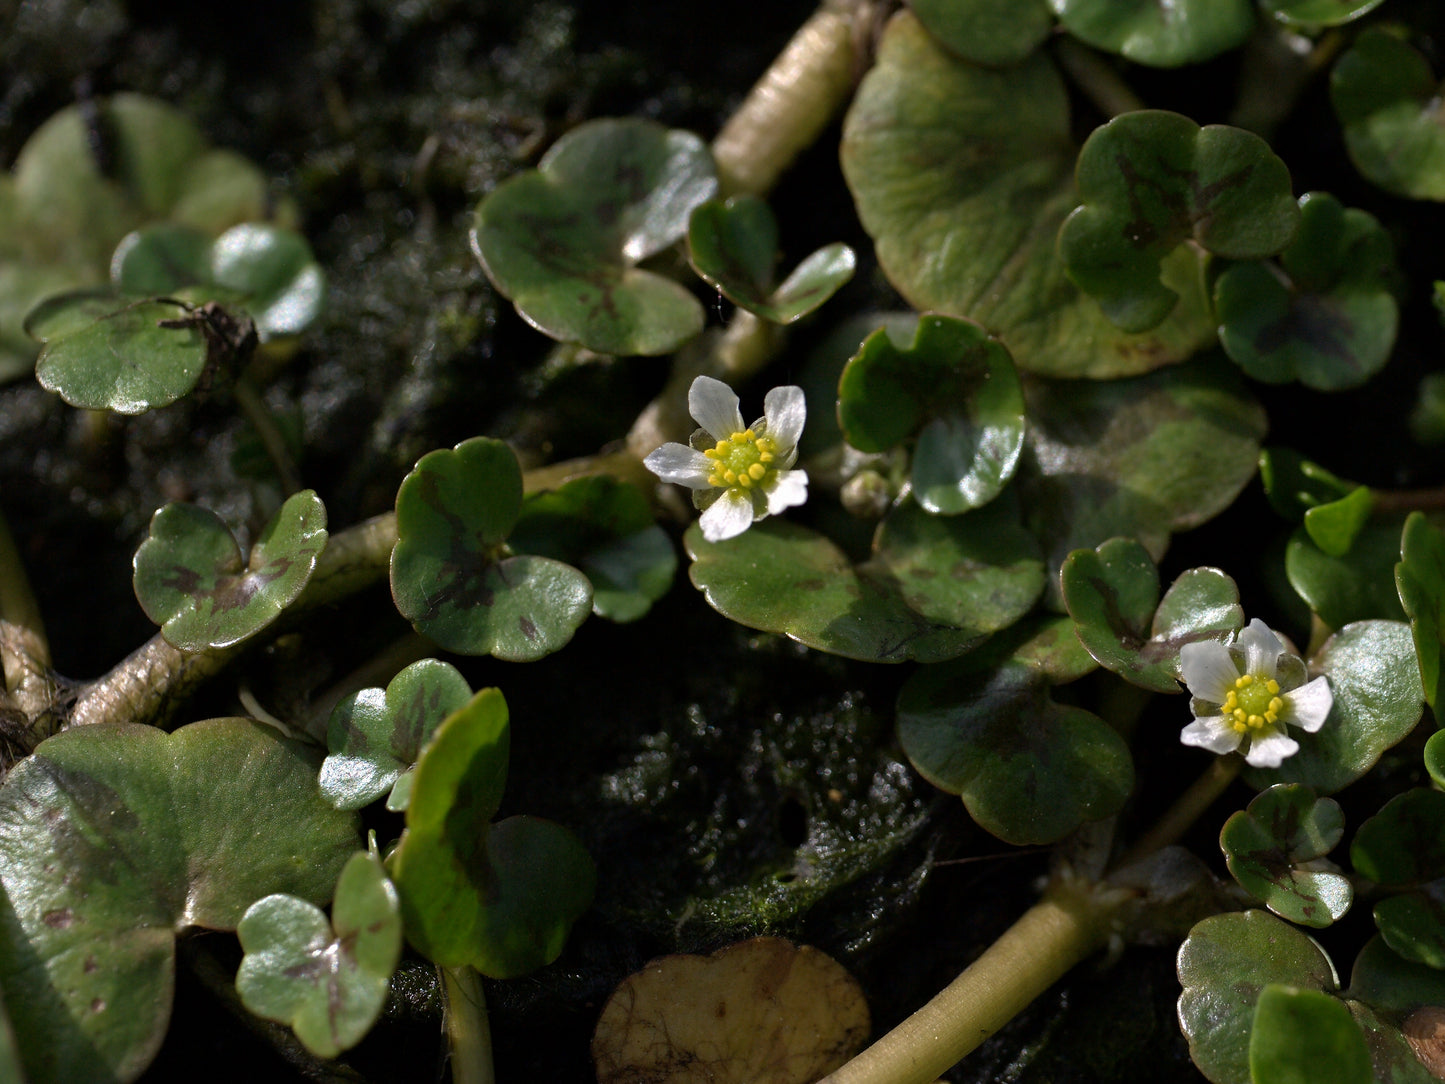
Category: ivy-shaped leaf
[1273,847]
[1388,101]
[604,528]
[1303,1036]
[191,580]
[1420,579]
[451,574]
[953,391]
[564,241]
[1164,36]
[780,577]
[115,838]
[734,245]
[375,735]
[497,897]
[1325,315]
[1151,180]
[1377,702]
[986,31]
[1112,592]
[1403,847]
[1312,14]
[327,979]
[961,175]
[1028,769]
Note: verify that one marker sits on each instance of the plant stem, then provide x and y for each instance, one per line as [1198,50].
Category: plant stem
[467,1029]
[1279,66]
[1096,78]
[248,398]
[1390,502]
[1187,809]
[1066,926]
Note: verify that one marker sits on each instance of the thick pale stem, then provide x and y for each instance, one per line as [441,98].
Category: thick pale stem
[1034,953]
[24,650]
[468,1033]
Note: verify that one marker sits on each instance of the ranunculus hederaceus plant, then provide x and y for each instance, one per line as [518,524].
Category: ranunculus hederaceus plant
[960,577]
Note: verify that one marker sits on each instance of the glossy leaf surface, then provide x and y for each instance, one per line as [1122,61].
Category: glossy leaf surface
[1269,848]
[986,31]
[1420,580]
[1309,14]
[1403,846]
[1358,585]
[1162,35]
[1303,1036]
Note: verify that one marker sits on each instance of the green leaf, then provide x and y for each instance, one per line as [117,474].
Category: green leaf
[115,838]
[1269,849]
[604,528]
[954,390]
[1435,758]
[1136,458]
[961,176]
[1311,14]
[981,571]
[500,898]
[1306,1037]
[734,245]
[220,189]
[375,735]
[1112,592]
[160,260]
[122,355]
[1151,180]
[1403,846]
[563,241]
[191,580]
[451,576]
[1388,982]
[327,980]
[1358,586]
[1294,485]
[1420,580]
[1326,314]
[995,32]
[1413,923]
[1333,527]
[1029,770]
[1223,965]
[1377,702]
[780,577]
[1388,101]
[1161,35]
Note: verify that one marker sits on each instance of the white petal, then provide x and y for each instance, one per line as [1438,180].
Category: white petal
[1208,670]
[714,406]
[1309,706]
[681,464]
[785,411]
[1262,649]
[786,489]
[1211,733]
[730,515]
[1269,751]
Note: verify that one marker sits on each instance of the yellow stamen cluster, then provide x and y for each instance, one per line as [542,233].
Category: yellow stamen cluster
[1252,704]
[744,460]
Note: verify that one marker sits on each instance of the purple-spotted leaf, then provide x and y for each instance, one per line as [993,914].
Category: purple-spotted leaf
[1151,180]
[497,897]
[1028,769]
[1403,847]
[1112,592]
[452,575]
[1420,579]
[1274,849]
[1164,35]
[780,577]
[1325,315]
[1312,14]
[605,529]
[1389,102]
[734,246]
[564,241]
[376,735]
[1304,1036]
[953,392]
[961,175]
[115,838]
[327,979]
[191,579]
[986,31]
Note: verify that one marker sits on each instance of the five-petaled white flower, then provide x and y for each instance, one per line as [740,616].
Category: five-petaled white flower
[737,474]
[1246,692]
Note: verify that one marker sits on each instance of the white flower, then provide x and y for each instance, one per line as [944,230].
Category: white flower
[1247,692]
[737,474]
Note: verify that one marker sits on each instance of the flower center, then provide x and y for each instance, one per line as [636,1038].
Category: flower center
[1253,703]
[744,460]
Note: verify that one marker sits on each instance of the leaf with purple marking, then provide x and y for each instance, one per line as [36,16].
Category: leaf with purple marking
[564,241]
[453,576]
[1112,592]
[376,735]
[327,979]
[191,579]
[1275,849]
[1151,180]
